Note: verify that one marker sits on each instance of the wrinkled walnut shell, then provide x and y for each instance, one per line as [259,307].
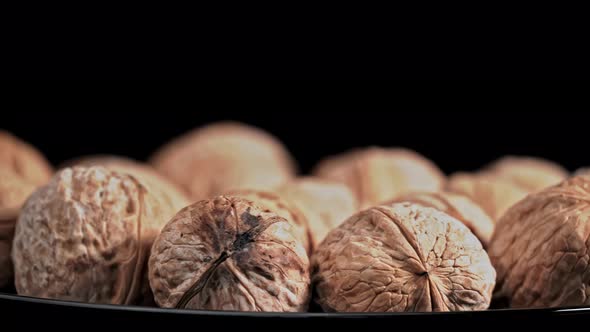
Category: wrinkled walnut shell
[224,156]
[403,257]
[228,254]
[457,206]
[86,237]
[378,174]
[531,174]
[540,248]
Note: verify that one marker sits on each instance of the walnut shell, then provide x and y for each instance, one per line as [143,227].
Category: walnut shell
[86,237]
[273,202]
[540,248]
[22,170]
[224,156]
[377,174]
[326,204]
[493,194]
[457,206]
[403,257]
[228,254]
[531,174]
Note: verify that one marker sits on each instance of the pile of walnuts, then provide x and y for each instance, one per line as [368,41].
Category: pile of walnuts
[219,219]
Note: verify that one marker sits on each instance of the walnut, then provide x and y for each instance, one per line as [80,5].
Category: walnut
[492,193]
[86,236]
[540,248]
[22,170]
[228,254]
[273,202]
[457,206]
[378,174]
[324,203]
[402,257]
[224,156]
[531,174]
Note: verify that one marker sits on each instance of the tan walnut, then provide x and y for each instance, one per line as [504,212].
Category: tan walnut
[377,174]
[529,173]
[224,156]
[86,236]
[325,204]
[540,248]
[226,253]
[457,206]
[22,170]
[402,257]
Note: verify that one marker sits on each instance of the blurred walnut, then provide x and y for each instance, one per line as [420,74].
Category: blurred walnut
[86,237]
[457,206]
[403,257]
[228,254]
[493,194]
[531,174]
[325,204]
[274,203]
[224,156]
[378,174]
[540,248]
[22,170]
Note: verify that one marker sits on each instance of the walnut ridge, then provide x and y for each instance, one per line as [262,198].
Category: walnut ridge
[529,173]
[228,254]
[403,257]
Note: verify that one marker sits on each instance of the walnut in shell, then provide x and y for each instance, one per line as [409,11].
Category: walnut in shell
[402,257]
[540,248]
[324,203]
[378,174]
[457,206]
[22,170]
[492,193]
[224,156]
[531,174]
[273,202]
[86,236]
[226,253]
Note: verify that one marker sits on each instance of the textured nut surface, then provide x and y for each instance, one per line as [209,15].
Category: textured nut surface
[228,254]
[224,156]
[531,174]
[378,174]
[540,248]
[457,206]
[273,202]
[493,194]
[403,257]
[22,169]
[325,204]
[86,236]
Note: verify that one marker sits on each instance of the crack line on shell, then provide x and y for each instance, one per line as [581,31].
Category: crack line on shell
[138,258]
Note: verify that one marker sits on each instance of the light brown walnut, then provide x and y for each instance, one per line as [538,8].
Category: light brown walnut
[540,248]
[529,173]
[325,203]
[227,253]
[378,174]
[402,257]
[86,237]
[224,156]
[22,170]
[457,206]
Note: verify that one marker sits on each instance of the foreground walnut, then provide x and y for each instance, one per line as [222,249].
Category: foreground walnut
[531,174]
[273,202]
[228,254]
[540,248]
[457,206]
[493,194]
[86,237]
[22,170]
[403,257]
[378,174]
[325,204]
[224,156]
